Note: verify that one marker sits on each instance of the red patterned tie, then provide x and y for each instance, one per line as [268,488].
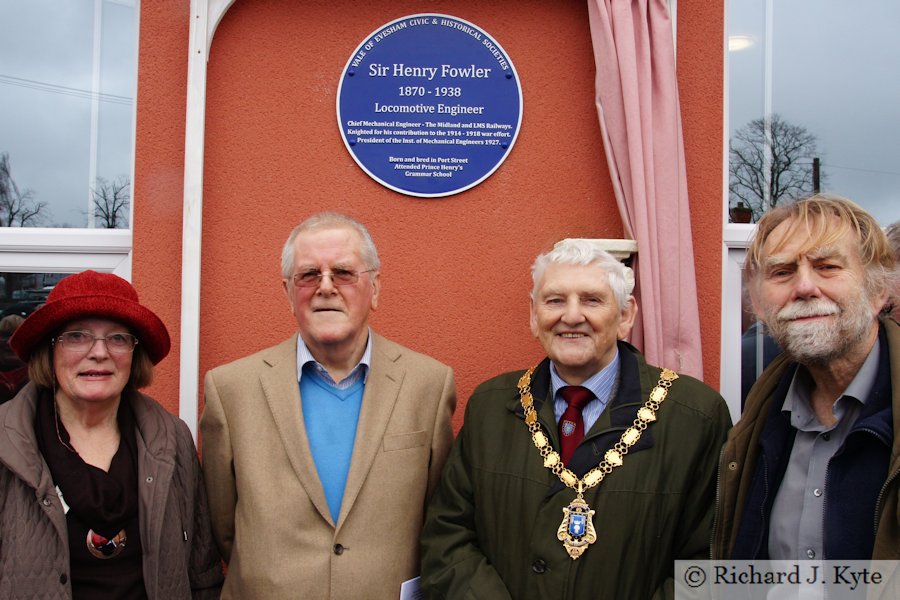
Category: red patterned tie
[571,425]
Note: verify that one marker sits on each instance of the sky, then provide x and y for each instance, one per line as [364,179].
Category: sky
[836,72]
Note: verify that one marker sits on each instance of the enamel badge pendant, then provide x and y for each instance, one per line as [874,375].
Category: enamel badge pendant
[102,547]
[576,531]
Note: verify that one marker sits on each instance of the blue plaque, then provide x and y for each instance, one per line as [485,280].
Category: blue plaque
[429,105]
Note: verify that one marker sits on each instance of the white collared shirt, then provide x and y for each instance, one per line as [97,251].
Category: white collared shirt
[359,372]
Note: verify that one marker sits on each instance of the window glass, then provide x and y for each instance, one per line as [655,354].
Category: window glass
[757,347]
[813,91]
[67,86]
[21,293]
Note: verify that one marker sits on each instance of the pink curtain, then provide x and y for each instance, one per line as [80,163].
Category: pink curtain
[637,102]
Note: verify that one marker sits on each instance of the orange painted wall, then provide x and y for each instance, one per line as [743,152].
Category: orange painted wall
[159,175]
[700,60]
[455,270]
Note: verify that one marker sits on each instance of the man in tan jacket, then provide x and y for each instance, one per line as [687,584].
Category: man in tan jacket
[321,453]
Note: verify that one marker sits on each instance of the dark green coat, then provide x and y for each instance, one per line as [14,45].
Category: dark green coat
[490,532]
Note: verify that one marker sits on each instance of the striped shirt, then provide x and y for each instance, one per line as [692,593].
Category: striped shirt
[602,383]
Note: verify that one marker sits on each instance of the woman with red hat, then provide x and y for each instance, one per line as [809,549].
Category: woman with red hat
[101,494]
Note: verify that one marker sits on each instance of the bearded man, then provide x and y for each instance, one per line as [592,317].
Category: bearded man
[810,470]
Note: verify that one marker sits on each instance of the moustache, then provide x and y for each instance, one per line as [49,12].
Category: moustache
[808,308]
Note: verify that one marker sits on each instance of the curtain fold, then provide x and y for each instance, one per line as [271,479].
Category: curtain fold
[640,120]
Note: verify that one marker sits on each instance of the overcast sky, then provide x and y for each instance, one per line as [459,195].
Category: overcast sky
[836,72]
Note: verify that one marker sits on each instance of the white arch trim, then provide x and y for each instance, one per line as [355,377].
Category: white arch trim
[205,18]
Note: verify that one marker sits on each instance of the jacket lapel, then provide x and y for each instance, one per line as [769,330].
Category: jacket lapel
[381,393]
[282,393]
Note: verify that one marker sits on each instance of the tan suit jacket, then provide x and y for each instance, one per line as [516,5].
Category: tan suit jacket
[269,514]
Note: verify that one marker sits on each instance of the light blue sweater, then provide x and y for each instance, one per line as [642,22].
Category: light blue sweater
[331,416]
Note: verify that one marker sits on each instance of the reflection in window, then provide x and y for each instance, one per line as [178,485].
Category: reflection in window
[67,86]
[22,293]
[757,347]
[814,104]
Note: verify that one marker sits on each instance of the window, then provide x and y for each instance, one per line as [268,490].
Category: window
[813,105]
[67,86]
[814,101]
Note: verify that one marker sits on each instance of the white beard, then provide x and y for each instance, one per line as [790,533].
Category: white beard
[820,342]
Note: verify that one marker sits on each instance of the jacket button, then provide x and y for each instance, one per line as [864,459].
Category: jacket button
[539,566]
[63,578]
[732,466]
[46,501]
[338,549]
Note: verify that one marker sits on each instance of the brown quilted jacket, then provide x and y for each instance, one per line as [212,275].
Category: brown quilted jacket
[180,558]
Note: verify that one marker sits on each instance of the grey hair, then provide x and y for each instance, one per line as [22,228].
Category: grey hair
[892,307]
[584,252]
[329,220]
[892,232]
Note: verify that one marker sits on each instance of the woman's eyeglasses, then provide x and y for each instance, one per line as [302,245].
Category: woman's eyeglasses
[83,341]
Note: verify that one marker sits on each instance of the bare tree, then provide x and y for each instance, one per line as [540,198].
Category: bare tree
[17,208]
[111,200]
[770,162]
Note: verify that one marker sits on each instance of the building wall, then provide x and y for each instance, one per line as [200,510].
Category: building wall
[455,277]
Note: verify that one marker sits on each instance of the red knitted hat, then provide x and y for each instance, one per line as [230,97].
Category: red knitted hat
[92,294]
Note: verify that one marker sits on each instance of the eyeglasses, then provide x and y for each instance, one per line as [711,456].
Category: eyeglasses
[313,277]
[83,341]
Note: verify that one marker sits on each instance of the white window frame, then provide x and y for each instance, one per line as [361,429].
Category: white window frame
[736,238]
[65,250]
[45,250]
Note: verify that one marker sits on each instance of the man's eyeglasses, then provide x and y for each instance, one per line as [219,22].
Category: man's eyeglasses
[313,277]
[83,341]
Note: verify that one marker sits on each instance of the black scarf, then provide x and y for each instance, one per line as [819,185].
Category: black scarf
[105,501]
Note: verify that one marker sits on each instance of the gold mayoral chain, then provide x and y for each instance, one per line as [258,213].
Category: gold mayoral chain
[576,531]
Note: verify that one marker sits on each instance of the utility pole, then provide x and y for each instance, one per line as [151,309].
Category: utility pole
[816,167]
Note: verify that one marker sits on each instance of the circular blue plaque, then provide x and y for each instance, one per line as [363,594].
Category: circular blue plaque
[429,105]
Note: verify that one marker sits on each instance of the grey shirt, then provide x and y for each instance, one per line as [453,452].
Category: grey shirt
[796,528]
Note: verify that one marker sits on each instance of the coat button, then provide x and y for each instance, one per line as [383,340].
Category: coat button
[63,578]
[732,466]
[539,566]
[338,549]
[46,501]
